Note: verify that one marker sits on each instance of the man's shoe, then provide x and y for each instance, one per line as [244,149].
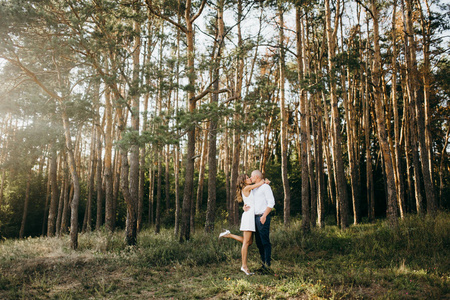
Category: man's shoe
[264,271]
[261,270]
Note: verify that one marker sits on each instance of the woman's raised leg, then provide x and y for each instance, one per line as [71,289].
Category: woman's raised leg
[234,237]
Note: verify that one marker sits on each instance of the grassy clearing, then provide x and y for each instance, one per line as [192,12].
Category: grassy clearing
[367,261]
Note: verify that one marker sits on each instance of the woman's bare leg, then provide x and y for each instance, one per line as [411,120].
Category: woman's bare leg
[235,237]
[247,241]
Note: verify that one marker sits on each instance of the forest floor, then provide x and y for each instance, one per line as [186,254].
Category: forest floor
[368,261]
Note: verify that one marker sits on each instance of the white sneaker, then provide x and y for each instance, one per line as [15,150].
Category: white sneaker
[225,233]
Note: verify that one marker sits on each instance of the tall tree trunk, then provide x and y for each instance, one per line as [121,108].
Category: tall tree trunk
[92,164]
[99,181]
[306,214]
[226,150]
[212,145]
[426,78]
[176,164]
[61,196]
[352,141]
[397,162]
[201,173]
[116,185]
[419,114]
[26,203]
[167,177]
[151,190]
[381,123]
[53,166]
[411,89]
[65,206]
[159,147]
[158,192]
[47,195]
[132,191]
[108,171]
[341,186]
[283,124]
[190,155]
[318,150]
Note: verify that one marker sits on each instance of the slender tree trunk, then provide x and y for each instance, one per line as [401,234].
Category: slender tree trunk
[25,205]
[190,155]
[158,193]
[47,195]
[132,191]
[99,181]
[201,174]
[412,95]
[283,124]
[347,95]
[364,90]
[395,105]
[116,185]
[167,178]
[176,163]
[341,195]
[381,123]
[108,171]
[53,166]
[92,164]
[419,114]
[151,191]
[426,78]
[329,161]
[318,150]
[227,170]
[306,222]
[212,146]
[65,206]
[61,197]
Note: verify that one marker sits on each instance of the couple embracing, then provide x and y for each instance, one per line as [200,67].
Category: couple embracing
[258,200]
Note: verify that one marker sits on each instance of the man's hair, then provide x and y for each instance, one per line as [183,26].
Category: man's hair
[257,173]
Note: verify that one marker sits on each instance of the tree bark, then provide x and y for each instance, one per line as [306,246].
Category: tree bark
[341,186]
[53,166]
[92,167]
[99,173]
[283,124]
[25,205]
[212,143]
[397,161]
[306,214]
[419,114]
[201,173]
[381,123]
[108,171]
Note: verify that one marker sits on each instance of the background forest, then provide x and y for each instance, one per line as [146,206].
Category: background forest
[133,114]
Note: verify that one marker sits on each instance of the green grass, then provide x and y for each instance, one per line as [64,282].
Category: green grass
[368,261]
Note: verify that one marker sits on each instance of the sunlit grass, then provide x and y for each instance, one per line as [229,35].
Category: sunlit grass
[368,261]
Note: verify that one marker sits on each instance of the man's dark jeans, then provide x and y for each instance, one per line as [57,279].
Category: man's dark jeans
[263,240]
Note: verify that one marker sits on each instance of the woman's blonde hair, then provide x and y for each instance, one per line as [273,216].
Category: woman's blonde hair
[240,185]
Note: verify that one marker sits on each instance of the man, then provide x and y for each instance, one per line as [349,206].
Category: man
[264,203]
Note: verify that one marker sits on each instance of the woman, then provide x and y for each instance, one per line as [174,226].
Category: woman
[244,193]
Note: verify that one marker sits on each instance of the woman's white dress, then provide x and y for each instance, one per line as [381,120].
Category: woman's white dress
[248,217]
